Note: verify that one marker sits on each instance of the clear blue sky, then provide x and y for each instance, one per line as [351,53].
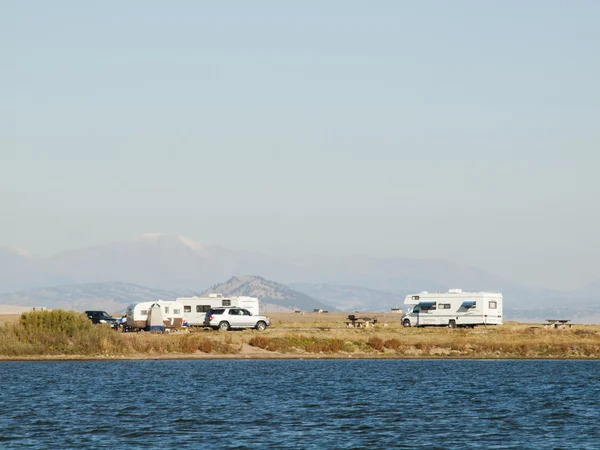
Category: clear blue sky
[466,130]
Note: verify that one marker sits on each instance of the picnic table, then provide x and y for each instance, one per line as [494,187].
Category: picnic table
[360,322]
[557,323]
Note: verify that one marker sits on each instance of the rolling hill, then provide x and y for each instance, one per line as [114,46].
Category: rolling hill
[268,292]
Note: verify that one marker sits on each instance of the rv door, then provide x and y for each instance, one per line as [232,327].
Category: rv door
[417,314]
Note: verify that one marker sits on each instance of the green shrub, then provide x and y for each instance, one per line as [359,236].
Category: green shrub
[70,323]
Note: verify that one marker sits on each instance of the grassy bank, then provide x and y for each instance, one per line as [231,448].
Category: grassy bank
[66,333]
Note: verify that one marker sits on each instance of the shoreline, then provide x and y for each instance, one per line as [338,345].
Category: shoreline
[293,337]
[282,357]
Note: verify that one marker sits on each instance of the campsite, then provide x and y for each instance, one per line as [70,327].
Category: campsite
[70,335]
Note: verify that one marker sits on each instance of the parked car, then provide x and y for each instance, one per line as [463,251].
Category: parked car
[102,317]
[227,318]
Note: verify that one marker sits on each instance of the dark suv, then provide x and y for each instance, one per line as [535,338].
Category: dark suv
[102,317]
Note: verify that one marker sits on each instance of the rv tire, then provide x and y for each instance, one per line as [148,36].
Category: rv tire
[224,326]
[452,324]
[261,326]
[406,323]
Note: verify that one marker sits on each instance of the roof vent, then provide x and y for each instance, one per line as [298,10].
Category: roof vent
[455,291]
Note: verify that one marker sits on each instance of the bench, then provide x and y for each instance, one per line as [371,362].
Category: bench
[557,323]
[360,322]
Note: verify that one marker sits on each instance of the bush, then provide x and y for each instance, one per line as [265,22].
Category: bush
[260,342]
[71,323]
[324,346]
[205,345]
[376,343]
[392,344]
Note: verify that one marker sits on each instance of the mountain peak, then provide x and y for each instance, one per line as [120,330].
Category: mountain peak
[267,291]
[15,251]
[159,238]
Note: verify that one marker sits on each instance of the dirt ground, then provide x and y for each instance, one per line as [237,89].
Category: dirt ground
[9,318]
[330,318]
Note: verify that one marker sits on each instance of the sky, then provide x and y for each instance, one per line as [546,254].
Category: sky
[464,130]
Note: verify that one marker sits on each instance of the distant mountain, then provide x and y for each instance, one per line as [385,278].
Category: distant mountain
[112,297]
[173,262]
[589,291]
[16,268]
[179,263]
[352,298]
[115,296]
[268,292]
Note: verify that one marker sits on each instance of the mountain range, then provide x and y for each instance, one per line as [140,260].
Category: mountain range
[169,261]
[269,292]
[179,264]
[115,296]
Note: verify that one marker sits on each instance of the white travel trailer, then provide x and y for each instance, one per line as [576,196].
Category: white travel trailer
[171,315]
[454,308]
[194,308]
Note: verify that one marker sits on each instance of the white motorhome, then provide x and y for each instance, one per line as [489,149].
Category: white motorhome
[195,308]
[454,308]
[137,314]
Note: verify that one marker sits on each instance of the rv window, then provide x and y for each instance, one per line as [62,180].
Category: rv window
[187,309]
[444,305]
[226,303]
[166,310]
[176,311]
[202,308]
[415,297]
[144,312]
[493,304]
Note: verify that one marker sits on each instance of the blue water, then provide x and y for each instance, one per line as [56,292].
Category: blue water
[300,404]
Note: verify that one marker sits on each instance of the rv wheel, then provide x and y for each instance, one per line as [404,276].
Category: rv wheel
[406,323]
[452,324]
[224,326]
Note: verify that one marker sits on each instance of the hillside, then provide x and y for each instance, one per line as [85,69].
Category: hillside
[112,296]
[352,298]
[268,292]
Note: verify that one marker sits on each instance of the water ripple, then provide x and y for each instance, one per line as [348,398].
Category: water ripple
[300,404]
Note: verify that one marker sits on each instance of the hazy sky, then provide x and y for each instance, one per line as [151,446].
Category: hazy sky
[467,130]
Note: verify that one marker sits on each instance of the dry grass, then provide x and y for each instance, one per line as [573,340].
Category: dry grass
[376,343]
[389,338]
[9,318]
[67,333]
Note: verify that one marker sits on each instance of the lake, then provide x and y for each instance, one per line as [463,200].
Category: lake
[301,404]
